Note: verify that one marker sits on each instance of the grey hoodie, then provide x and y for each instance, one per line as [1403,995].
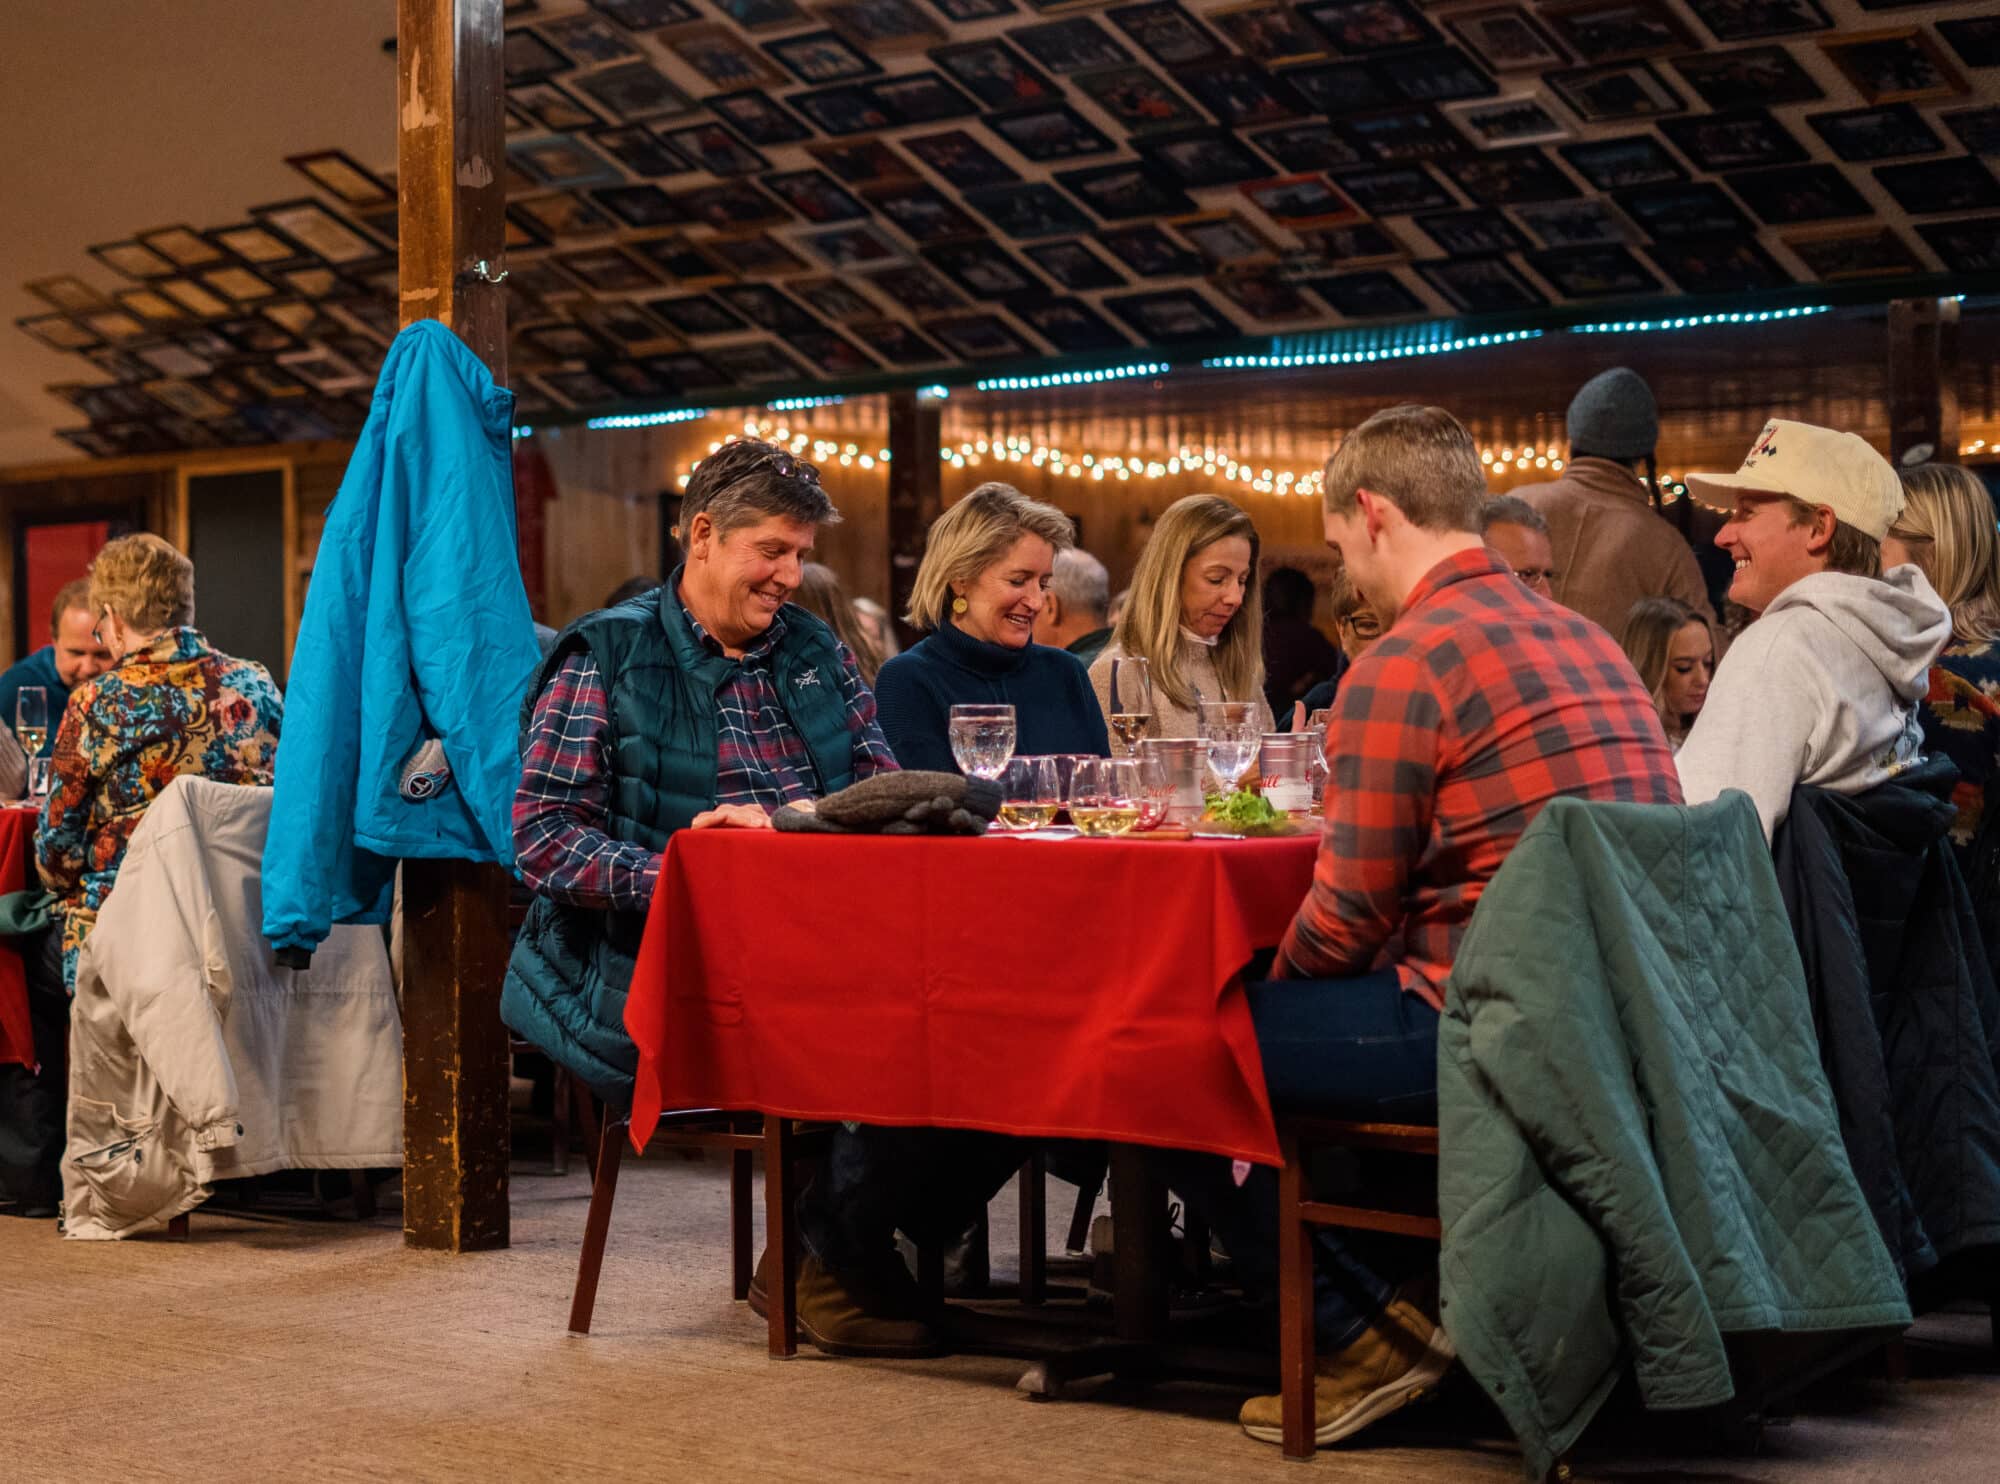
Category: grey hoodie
[1822,689]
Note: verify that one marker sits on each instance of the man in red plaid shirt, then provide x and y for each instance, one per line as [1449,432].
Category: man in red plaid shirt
[1481,702]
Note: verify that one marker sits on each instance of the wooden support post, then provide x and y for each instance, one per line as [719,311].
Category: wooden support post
[450,220]
[1923,384]
[914,495]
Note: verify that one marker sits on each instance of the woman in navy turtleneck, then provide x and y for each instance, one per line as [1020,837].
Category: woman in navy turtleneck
[983,581]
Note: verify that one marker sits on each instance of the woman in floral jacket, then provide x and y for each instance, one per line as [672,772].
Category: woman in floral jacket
[169,705]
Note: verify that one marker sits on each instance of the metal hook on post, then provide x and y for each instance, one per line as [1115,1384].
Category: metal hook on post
[482,272]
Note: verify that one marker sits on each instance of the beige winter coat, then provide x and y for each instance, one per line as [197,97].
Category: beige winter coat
[193,1056]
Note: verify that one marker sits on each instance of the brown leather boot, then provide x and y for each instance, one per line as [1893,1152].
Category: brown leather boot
[873,1315]
[1390,1364]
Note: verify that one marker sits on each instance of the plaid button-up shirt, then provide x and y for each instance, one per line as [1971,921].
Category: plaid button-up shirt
[1482,703]
[562,808]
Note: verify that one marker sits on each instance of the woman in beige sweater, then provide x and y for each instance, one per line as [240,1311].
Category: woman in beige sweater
[1196,615]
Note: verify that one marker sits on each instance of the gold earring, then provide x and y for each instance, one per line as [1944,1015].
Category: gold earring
[958,605]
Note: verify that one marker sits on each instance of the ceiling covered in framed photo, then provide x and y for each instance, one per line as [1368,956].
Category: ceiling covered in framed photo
[718,201]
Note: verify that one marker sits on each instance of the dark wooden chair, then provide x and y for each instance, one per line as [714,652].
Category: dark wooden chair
[1299,1214]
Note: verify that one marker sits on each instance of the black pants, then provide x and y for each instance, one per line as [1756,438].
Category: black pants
[33,1103]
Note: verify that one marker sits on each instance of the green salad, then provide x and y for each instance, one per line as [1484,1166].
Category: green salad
[1245,811]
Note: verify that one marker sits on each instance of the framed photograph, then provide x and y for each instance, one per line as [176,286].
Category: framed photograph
[1968,246]
[340,176]
[608,270]
[59,332]
[1138,101]
[821,57]
[1208,157]
[1149,252]
[1976,39]
[1122,192]
[961,160]
[756,363]
[979,337]
[760,255]
[525,58]
[586,38]
[380,220]
[1037,210]
[881,25]
[1261,293]
[1750,20]
[1241,93]
[319,231]
[1070,325]
[192,297]
[984,270]
[815,196]
[563,162]
[721,57]
[831,299]
[255,243]
[1306,147]
[561,342]
[831,353]
[713,148]
[862,162]
[578,388]
[761,15]
[1582,223]
[964,11]
[758,119]
[1301,201]
[553,217]
[922,213]
[1075,45]
[1599,94]
[1978,129]
[766,307]
[1853,252]
[238,285]
[1340,87]
[1173,317]
[1749,77]
[1439,74]
[1168,34]
[1859,135]
[898,344]
[681,370]
[854,247]
[1509,177]
[920,98]
[846,109]
[1935,186]
[1394,192]
[1606,31]
[642,152]
[1269,33]
[1719,265]
[1798,193]
[1074,265]
[1696,209]
[632,91]
[995,74]
[540,280]
[182,246]
[1593,272]
[1356,26]
[735,207]
[1043,134]
[1902,66]
[1520,119]
[1417,132]
[697,314]
[1466,234]
[549,107]
[68,293]
[1224,237]
[1508,39]
[1481,285]
[684,263]
[912,286]
[1734,141]
[1356,245]
[134,259]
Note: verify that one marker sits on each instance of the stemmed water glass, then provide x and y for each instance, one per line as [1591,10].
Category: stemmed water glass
[1029,793]
[1232,730]
[982,739]
[1316,725]
[1131,700]
[31,726]
[1105,795]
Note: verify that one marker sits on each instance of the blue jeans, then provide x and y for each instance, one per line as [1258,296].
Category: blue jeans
[1351,1048]
[929,1183]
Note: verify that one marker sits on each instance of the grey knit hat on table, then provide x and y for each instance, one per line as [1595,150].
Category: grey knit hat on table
[1614,416]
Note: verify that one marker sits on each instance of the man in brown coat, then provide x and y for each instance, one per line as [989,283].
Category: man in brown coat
[1611,547]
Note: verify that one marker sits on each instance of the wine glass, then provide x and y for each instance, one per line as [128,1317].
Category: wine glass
[982,739]
[1156,788]
[1104,796]
[1317,725]
[1131,699]
[1029,793]
[31,726]
[1232,730]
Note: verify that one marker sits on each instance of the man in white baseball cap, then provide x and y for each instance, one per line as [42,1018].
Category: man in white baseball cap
[1822,688]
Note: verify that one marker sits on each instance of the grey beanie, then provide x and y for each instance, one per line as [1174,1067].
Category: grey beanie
[1614,416]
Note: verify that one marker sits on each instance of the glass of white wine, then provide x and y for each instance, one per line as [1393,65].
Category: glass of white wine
[1232,730]
[1105,796]
[982,739]
[1030,793]
[31,726]
[1131,700]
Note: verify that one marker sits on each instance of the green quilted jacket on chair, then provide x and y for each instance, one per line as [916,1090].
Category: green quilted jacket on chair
[1639,1152]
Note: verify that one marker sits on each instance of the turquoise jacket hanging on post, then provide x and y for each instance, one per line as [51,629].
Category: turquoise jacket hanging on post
[1638,1151]
[416,629]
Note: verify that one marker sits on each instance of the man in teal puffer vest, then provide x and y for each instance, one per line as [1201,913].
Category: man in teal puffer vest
[705,702]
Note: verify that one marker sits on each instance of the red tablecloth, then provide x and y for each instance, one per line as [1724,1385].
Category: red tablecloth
[1048,988]
[17,871]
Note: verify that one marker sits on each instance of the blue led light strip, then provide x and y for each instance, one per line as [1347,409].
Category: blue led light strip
[1695,321]
[1327,350]
[648,419]
[1071,378]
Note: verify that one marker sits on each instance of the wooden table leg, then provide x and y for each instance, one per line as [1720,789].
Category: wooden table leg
[742,1260]
[1295,1310]
[1034,1232]
[1138,1247]
[781,1233]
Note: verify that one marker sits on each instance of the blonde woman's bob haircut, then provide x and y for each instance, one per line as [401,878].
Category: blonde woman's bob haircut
[973,535]
[1947,523]
[145,581]
[1150,626]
